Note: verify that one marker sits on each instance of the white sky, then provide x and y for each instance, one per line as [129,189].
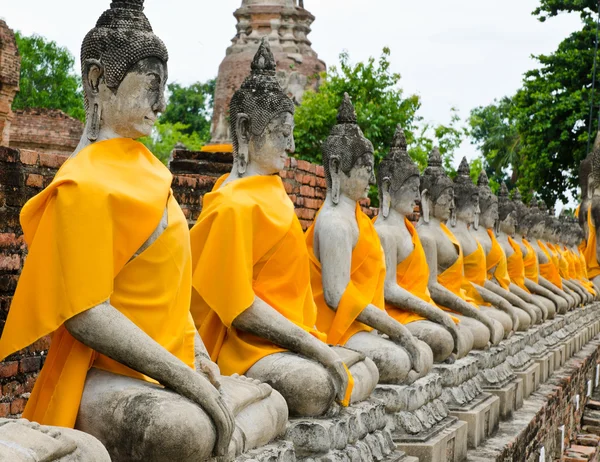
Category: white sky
[458,53]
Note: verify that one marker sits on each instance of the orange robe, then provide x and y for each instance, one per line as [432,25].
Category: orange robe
[558,260]
[412,274]
[475,274]
[591,249]
[549,270]
[531,263]
[516,265]
[453,277]
[82,232]
[366,285]
[497,263]
[248,243]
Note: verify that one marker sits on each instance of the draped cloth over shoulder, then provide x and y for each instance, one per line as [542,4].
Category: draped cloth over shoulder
[412,274]
[453,278]
[475,274]
[82,232]
[591,249]
[549,270]
[531,263]
[366,285]
[496,263]
[516,265]
[248,243]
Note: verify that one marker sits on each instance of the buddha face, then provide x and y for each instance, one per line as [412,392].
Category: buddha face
[489,217]
[444,205]
[469,213]
[537,230]
[508,225]
[406,198]
[269,151]
[131,110]
[356,184]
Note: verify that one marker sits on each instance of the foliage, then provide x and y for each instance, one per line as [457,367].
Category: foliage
[191,106]
[166,135]
[48,79]
[380,106]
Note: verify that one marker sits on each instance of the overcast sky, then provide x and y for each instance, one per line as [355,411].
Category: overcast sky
[453,53]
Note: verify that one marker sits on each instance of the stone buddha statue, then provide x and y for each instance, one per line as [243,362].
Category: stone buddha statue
[407,297]
[549,277]
[445,257]
[466,198]
[569,234]
[252,300]
[109,274]
[348,266]
[589,212]
[498,273]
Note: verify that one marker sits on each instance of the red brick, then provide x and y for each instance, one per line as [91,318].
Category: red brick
[8,154]
[322,183]
[306,166]
[42,344]
[309,180]
[293,162]
[10,262]
[4,409]
[17,406]
[32,364]
[298,202]
[307,191]
[306,224]
[52,160]
[35,181]
[288,188]
[29,383]
[314,204]
[306,214]
[10,240]
[9,369]
[320,193]
[29,157]
[13,389]
[320,171]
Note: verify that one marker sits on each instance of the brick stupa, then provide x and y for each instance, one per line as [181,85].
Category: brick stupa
[10,69]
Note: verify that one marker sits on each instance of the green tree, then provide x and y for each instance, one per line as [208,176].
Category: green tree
[380,106]
[166,135]
[48,79]
[191,106]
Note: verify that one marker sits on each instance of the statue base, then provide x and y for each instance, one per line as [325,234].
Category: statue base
[482,417]
[530,378]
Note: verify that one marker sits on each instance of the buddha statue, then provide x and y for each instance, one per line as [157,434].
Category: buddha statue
[589,213]
[407,298]
[466,198]
[569,235]
[549,277]
[445,258]
[348,270]
[109,275]
[498,272]
[252,300]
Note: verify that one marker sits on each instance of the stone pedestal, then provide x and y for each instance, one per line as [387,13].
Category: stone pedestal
[531,379]
[522,366]
[466,400]
[420,422]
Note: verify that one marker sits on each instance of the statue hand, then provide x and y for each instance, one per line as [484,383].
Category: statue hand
[451,327]
[213,404]
[496,332]
[209,369]
[411,345]
[339,376]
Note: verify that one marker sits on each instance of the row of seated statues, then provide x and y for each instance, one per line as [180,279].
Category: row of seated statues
[170,344]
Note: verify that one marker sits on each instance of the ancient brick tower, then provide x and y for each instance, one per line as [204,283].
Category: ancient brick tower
[287,25]
[10,69]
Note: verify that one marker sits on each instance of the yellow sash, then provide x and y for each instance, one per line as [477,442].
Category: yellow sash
[248,242]
[549,270]
[496,261]
[82,231]
[366,285]
[531,263]
[516,265]
[453,277]
[475,273]
[591,250]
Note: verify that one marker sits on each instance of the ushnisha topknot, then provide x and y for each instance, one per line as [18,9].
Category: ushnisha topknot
[260,96]
[122,37]
[505,205]
[486,197]
[397,166]
[346,142]
[464,188]
[434,178]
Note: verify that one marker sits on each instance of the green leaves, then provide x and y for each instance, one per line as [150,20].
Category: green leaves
[48,79]
[166,135]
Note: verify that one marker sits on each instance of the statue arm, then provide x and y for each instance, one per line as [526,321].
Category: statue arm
[109,332]
[513,299]
[529,298]
[443,296]
[266,322]
[500,303]
[402,298]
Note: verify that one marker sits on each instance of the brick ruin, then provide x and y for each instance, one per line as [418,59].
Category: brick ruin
[10,69]
[287,25]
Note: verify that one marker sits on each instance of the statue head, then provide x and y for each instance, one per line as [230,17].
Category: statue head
[437,190]
[535,220]
[488,202]
[507,212]
[348,157]
[398,179]
[521,211]
[261,118]
[466,195]
[124,71]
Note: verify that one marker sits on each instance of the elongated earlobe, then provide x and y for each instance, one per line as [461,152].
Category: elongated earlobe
[386,197]
[334,171]
[425,206]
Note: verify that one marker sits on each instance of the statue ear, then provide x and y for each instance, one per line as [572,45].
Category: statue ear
[334,172]
[425,203]
[242,131]
[386,197]
[93,73]
[590,187]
